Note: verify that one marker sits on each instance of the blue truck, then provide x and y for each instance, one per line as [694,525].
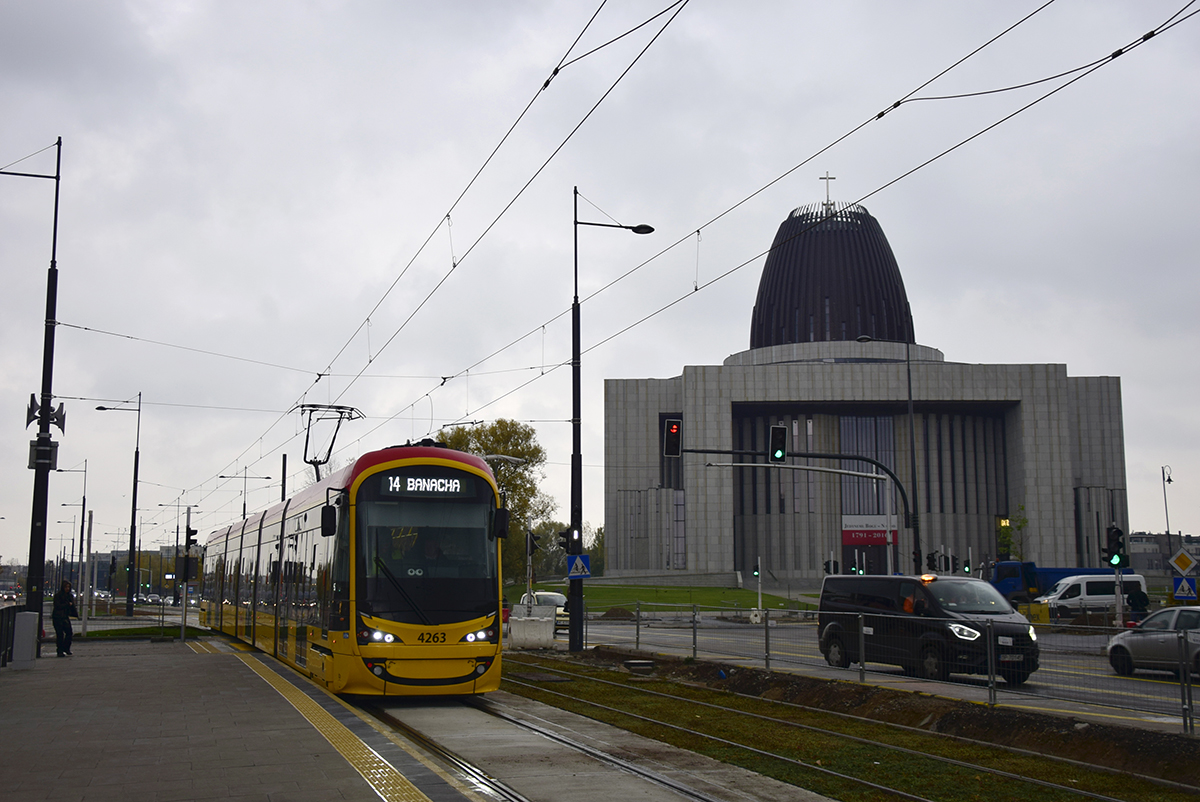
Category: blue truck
[1022,582]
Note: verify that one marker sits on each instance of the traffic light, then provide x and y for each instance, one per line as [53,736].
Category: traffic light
[954,564]
[967,566]
[673,438]
[931,561]
[564,540]
[574,542]
[190,539]
[1114,554]
[828,565]
[531,543]
[756,568]
[778,452]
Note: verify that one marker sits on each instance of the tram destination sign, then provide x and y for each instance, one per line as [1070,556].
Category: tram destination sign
[427,486]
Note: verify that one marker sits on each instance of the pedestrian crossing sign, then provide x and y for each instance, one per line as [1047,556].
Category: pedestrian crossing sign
[1185,588]
[581,566]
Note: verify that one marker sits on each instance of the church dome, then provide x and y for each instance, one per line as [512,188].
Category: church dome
[830,275]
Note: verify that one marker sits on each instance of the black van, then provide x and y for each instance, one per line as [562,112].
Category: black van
[931,626]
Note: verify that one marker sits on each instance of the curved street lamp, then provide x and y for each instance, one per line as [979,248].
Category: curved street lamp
[912,453]
[575,594]
[1166,478]
[137,442]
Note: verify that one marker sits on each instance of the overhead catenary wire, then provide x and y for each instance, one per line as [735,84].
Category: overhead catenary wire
[1174,20]
[326,373]
[1089,68]
[470,412]
[525,186]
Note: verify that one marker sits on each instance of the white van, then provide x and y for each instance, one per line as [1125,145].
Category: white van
[1074,594]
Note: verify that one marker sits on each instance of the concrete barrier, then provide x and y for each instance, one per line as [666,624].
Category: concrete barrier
[531,627]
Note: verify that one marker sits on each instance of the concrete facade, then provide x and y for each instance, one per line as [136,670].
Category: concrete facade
[990,440]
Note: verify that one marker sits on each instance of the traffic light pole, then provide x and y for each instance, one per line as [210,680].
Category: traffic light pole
[189,537]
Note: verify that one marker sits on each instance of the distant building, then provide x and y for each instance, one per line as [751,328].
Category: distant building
[831,345]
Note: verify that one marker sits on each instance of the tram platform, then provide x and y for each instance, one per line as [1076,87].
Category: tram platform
[145,721]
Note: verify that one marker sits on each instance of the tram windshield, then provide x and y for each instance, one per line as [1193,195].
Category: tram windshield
[424,552]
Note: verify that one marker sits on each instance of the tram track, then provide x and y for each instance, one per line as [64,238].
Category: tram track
[470,772]
[938,769]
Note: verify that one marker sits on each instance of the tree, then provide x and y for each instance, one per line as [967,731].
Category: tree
[1010,537]
[550,559]
[595,551]
[519,482]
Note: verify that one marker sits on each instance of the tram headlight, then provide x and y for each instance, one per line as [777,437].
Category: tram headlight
[484,635]
[1032,633]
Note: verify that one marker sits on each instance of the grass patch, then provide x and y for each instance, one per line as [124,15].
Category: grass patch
[141,632]
[599,598]
[762,724]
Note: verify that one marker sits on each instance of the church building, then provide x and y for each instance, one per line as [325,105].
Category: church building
[966,452]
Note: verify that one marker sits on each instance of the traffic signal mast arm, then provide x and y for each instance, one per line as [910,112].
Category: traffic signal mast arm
[908,516]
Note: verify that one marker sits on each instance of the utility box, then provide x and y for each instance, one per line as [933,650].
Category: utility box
[25,640]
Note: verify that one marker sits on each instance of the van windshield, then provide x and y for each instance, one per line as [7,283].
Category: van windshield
[969,596]
[1058,588]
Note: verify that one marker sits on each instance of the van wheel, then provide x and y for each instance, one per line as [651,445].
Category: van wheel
[836,655]
[1014,676]
[931,666]
[1121,662]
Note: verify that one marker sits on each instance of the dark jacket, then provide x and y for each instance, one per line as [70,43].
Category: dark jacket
[64,605]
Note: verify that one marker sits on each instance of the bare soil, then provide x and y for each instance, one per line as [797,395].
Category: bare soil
[1129,749]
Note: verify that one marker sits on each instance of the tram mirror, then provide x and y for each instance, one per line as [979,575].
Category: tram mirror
[500,523]
[328,521]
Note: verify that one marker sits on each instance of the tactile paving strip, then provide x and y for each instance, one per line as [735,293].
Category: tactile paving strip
[387,782]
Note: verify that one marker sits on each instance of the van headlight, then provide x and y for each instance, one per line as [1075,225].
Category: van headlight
[964,632]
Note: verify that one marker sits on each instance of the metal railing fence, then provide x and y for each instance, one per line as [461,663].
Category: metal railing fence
[1072,659]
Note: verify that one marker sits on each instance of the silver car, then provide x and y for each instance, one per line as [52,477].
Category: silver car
[1154,643]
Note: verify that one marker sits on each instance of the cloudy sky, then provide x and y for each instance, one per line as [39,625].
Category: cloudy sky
[273,203]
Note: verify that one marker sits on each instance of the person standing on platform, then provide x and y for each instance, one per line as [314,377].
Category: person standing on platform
[64,610]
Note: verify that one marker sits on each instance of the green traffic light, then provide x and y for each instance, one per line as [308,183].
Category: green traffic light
[1115,559]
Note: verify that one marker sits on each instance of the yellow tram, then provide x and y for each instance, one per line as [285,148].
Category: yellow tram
[383,578]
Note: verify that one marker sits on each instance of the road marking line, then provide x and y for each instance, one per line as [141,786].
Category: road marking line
[390,784]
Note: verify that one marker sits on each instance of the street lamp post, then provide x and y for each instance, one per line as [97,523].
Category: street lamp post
[137,444]
[43,451]
[575,592]
[912,454]
[82,510]
[243,477]
[1166,478]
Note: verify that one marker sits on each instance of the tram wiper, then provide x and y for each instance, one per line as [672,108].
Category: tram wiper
[383,569]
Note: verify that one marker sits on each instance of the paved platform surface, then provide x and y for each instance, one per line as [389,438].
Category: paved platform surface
[142,721]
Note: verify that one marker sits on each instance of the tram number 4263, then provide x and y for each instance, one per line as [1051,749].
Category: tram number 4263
[431,637]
